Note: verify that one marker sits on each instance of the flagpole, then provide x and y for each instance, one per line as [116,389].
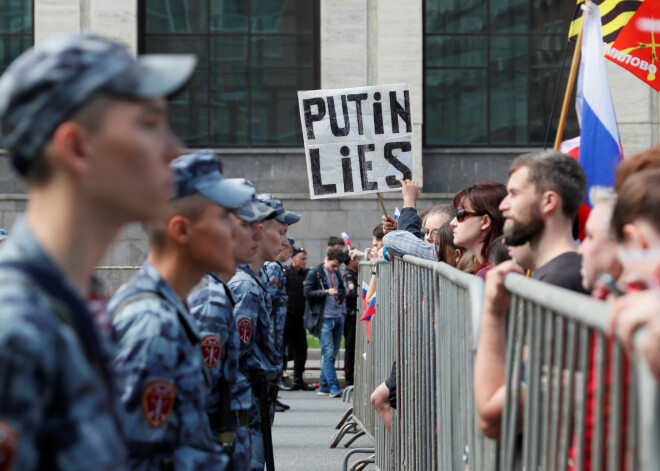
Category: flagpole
[571,83]
[382,204]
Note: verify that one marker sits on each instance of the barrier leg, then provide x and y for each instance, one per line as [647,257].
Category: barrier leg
[353,452]
[349,427]
[357,435]
[343,420]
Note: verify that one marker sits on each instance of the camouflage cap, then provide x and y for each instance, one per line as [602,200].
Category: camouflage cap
[200,172]
[292,243]
[48,83]
[254,210]
[281,215]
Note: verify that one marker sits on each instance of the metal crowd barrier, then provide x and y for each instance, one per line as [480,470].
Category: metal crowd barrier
[112,277]
[427,319]
[559,359]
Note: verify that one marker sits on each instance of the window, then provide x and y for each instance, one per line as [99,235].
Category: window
[491,69]
[254,55]
[16,31]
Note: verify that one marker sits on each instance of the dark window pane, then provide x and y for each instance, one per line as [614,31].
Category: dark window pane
[508,90]
[229,16]
[542,84]
[456,51]
[275,116]
[551,16]
[189,112]
[508,16]
[282,51]
[16,16]
[456,16]
[282,16]
[548,51]
[229,91]
[455,111]
[11,47]
[176,16]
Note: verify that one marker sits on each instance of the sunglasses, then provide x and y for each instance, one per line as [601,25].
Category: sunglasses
[463,214]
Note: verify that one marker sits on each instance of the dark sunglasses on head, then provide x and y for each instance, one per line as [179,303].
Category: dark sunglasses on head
[463,214]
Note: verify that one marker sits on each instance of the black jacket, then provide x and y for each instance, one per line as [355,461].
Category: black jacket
[314,289]
[294,290]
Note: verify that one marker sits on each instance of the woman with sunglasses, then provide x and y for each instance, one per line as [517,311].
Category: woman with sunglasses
[477,224]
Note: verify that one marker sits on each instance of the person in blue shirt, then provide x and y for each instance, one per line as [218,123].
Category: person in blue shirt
[159,362]
[260,360]
[73,115]
[212,306]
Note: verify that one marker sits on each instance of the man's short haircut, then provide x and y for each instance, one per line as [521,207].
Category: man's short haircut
[334,240]
[191,207]
[336,254]
[90,115]
[445,209]
[639,198]
[645,160]
[552,170]
[378,232]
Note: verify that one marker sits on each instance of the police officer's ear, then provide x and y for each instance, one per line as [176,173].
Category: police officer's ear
[68,149]
[178,229]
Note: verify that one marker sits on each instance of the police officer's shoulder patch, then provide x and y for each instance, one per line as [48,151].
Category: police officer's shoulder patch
[158,401]
[211,350]
[244,329]
[8,445]
[276,282]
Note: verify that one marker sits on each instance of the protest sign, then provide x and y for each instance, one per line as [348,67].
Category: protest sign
[357,140]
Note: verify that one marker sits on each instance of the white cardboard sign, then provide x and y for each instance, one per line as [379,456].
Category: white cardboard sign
[357,140]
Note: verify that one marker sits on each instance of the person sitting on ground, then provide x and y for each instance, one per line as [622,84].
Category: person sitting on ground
[545,191]
[477,223]
[400,243]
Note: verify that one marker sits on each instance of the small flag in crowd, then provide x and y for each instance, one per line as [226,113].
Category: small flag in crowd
[615,14]
[347,241]
[635,48]
[370,310]
[600,144]
[365,288]
[397,213]
[572,148]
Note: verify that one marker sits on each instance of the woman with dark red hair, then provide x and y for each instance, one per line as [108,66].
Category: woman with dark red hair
[477,224]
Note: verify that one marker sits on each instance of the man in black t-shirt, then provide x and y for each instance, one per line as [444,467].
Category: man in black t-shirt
[545,192]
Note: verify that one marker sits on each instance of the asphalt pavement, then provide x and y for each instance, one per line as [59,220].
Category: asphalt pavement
[302,435]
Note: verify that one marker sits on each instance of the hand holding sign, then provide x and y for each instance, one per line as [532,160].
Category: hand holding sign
[357,140]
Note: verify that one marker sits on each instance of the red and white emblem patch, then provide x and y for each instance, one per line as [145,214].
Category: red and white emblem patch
[158,401]
[276,282]
[211,350]
[8,445]
[245,329]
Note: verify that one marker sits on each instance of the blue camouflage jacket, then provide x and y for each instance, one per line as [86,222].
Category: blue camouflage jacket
[252,315]
[162,378]
[56,411]
[277,290]
[212,307]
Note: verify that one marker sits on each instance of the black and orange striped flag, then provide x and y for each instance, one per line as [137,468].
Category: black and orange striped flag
[614,15]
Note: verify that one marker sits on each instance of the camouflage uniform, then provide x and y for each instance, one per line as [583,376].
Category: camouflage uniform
[277,290]
[57,411]
[212,307]
[259,356]
[57,406]
[163,380]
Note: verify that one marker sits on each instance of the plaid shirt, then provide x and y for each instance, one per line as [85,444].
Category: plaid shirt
[400,243]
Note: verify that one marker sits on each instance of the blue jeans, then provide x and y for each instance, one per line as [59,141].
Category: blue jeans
[331,333]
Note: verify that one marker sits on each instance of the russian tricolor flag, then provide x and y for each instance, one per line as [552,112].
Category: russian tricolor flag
[600,144]
[365,288]
[397,213]
[347,241]
[369,311]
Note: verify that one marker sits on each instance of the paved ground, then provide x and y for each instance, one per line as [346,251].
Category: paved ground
[302,435]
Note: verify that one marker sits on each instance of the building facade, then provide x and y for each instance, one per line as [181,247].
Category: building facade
[483,76]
